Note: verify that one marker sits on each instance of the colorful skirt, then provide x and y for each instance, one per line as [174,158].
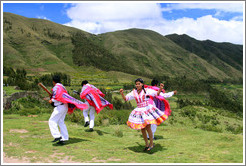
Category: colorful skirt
[141,117]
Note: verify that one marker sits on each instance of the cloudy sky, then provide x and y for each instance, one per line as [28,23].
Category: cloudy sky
[221,21]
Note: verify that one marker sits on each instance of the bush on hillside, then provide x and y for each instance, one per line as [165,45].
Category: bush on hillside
[220,99]
[28,106]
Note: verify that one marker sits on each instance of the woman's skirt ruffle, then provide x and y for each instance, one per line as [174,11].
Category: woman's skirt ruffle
[141,117]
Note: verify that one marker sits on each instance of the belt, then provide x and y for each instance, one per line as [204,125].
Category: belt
[143,104]
[59,104]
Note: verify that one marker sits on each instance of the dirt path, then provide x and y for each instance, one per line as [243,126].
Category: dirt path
[14,160]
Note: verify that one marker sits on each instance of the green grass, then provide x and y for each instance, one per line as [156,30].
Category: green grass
[10,90]
[175,144]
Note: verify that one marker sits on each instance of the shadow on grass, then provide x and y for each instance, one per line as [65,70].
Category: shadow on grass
[140,149]
[157,137]
[71,141]
[99,132]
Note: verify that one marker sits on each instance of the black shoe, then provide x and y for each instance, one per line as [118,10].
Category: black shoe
[91,129]
[148,138]
[154,138]
[57,139]
[86,124]
[146,148]
[61,143]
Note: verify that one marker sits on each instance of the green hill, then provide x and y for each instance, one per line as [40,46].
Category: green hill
[36,44]
[41,46]
[226,57]
[151,53]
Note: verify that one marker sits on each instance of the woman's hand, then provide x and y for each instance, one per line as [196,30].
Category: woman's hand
[161,85]
[122,94]
[175,92]
[50,101]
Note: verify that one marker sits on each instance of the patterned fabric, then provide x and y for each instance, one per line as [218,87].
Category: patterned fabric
[160,102]
[59,93]
[154,88]
[94,98]
[146,113]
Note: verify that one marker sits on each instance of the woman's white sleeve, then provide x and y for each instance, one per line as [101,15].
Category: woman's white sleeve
[130,96]
[167,95]
[151,92]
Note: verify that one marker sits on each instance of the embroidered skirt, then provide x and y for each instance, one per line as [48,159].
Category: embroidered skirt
[140,117]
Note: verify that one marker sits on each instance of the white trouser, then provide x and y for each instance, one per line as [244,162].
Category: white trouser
[153,128]
[92,116]
[57,118]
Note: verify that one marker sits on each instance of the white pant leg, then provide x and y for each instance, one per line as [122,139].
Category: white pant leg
[63,128]
[92,116]
[85,112]
[53,122]
[153,128]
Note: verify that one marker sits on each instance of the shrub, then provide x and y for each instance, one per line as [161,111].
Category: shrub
[188,112]
[28,106]
[105,122]
[209,127]
[118,132]
[76,116]
[235,130]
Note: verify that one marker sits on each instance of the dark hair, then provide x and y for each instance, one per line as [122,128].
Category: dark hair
[154,82]
[84,82]
[56,78]
[140,80]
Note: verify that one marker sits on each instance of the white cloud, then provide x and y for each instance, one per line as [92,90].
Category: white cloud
[107,17]
[206,27]
[114,11]
[42,17]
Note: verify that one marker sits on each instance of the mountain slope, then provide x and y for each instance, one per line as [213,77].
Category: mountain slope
[42,46]
[225,56]
[36,44]
[151,53]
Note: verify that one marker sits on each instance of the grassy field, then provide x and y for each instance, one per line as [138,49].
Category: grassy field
[193,134]
[28,138]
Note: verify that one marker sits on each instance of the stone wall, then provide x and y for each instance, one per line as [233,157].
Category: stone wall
[7,100]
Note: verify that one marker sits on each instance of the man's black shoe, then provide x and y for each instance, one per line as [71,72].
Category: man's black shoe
[57,139]
[91,129]
[86,124]
[153,138]
[61,143]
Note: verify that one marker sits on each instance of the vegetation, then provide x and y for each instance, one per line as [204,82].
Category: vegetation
[207,75]
[41,47]
[212,51]
[19,78]
[112,141]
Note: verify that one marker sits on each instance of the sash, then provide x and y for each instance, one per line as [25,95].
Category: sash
[95,99]
[154,88]
[64,97]
[160,102]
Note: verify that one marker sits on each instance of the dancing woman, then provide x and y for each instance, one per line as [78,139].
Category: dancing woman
[146,113]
